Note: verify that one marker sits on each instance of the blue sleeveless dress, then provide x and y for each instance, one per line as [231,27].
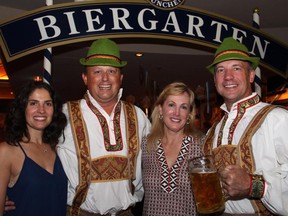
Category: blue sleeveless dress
[38,192]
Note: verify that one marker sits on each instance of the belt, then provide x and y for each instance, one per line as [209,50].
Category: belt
[126,212]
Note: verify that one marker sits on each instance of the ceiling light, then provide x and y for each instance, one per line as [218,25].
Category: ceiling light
[3,74]
[38,78]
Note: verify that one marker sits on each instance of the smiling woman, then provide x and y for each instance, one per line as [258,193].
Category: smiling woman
[30,171]
[172,141]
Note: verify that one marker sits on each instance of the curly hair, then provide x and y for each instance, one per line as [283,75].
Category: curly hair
[15,127]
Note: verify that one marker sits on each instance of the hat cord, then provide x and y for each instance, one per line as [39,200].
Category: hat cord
[103,57]
[231,51]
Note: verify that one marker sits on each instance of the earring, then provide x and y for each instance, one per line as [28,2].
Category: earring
[188,121]
[160,116]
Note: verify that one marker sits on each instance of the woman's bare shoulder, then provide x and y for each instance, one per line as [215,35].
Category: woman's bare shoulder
[7,150]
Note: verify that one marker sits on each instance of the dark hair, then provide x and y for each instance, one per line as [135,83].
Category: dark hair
[15,123]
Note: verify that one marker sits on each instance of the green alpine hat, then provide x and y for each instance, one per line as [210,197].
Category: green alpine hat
[103,52]
[230,49]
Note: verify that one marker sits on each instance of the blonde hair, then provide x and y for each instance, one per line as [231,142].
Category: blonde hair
[157,128]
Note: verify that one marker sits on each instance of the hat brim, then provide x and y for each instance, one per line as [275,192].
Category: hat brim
[253,60]
[102,62]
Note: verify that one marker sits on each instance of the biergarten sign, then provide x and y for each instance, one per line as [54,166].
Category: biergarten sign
[62,24]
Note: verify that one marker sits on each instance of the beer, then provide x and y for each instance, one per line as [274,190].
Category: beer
[205,184]
[207,192]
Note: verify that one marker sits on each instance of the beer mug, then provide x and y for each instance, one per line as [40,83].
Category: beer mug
[206,185]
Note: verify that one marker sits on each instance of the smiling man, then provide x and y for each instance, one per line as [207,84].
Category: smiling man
[250,142]
[101,155]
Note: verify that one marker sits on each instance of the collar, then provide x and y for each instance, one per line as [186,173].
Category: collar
[96,104]
[238,109]
[243,103]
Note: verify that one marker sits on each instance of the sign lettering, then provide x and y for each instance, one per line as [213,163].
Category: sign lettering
[68,23]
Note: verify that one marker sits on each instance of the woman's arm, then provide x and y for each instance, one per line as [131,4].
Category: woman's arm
[5,173]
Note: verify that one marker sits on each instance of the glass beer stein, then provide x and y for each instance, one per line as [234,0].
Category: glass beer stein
[206,185]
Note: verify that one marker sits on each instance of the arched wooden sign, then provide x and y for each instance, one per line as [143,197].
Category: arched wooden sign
[81,21]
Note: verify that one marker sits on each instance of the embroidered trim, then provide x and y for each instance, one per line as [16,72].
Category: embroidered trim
[91,172]
[241,108]
[83,154]
[105,130]
[132,142]
[170,177]
[243,155]
[220,134]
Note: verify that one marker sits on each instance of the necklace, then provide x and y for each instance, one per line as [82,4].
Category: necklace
[42,146]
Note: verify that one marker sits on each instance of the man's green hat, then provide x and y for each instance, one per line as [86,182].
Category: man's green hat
[103,52]
[230,49]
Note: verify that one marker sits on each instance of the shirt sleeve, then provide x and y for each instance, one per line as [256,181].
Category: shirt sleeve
[271,158]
